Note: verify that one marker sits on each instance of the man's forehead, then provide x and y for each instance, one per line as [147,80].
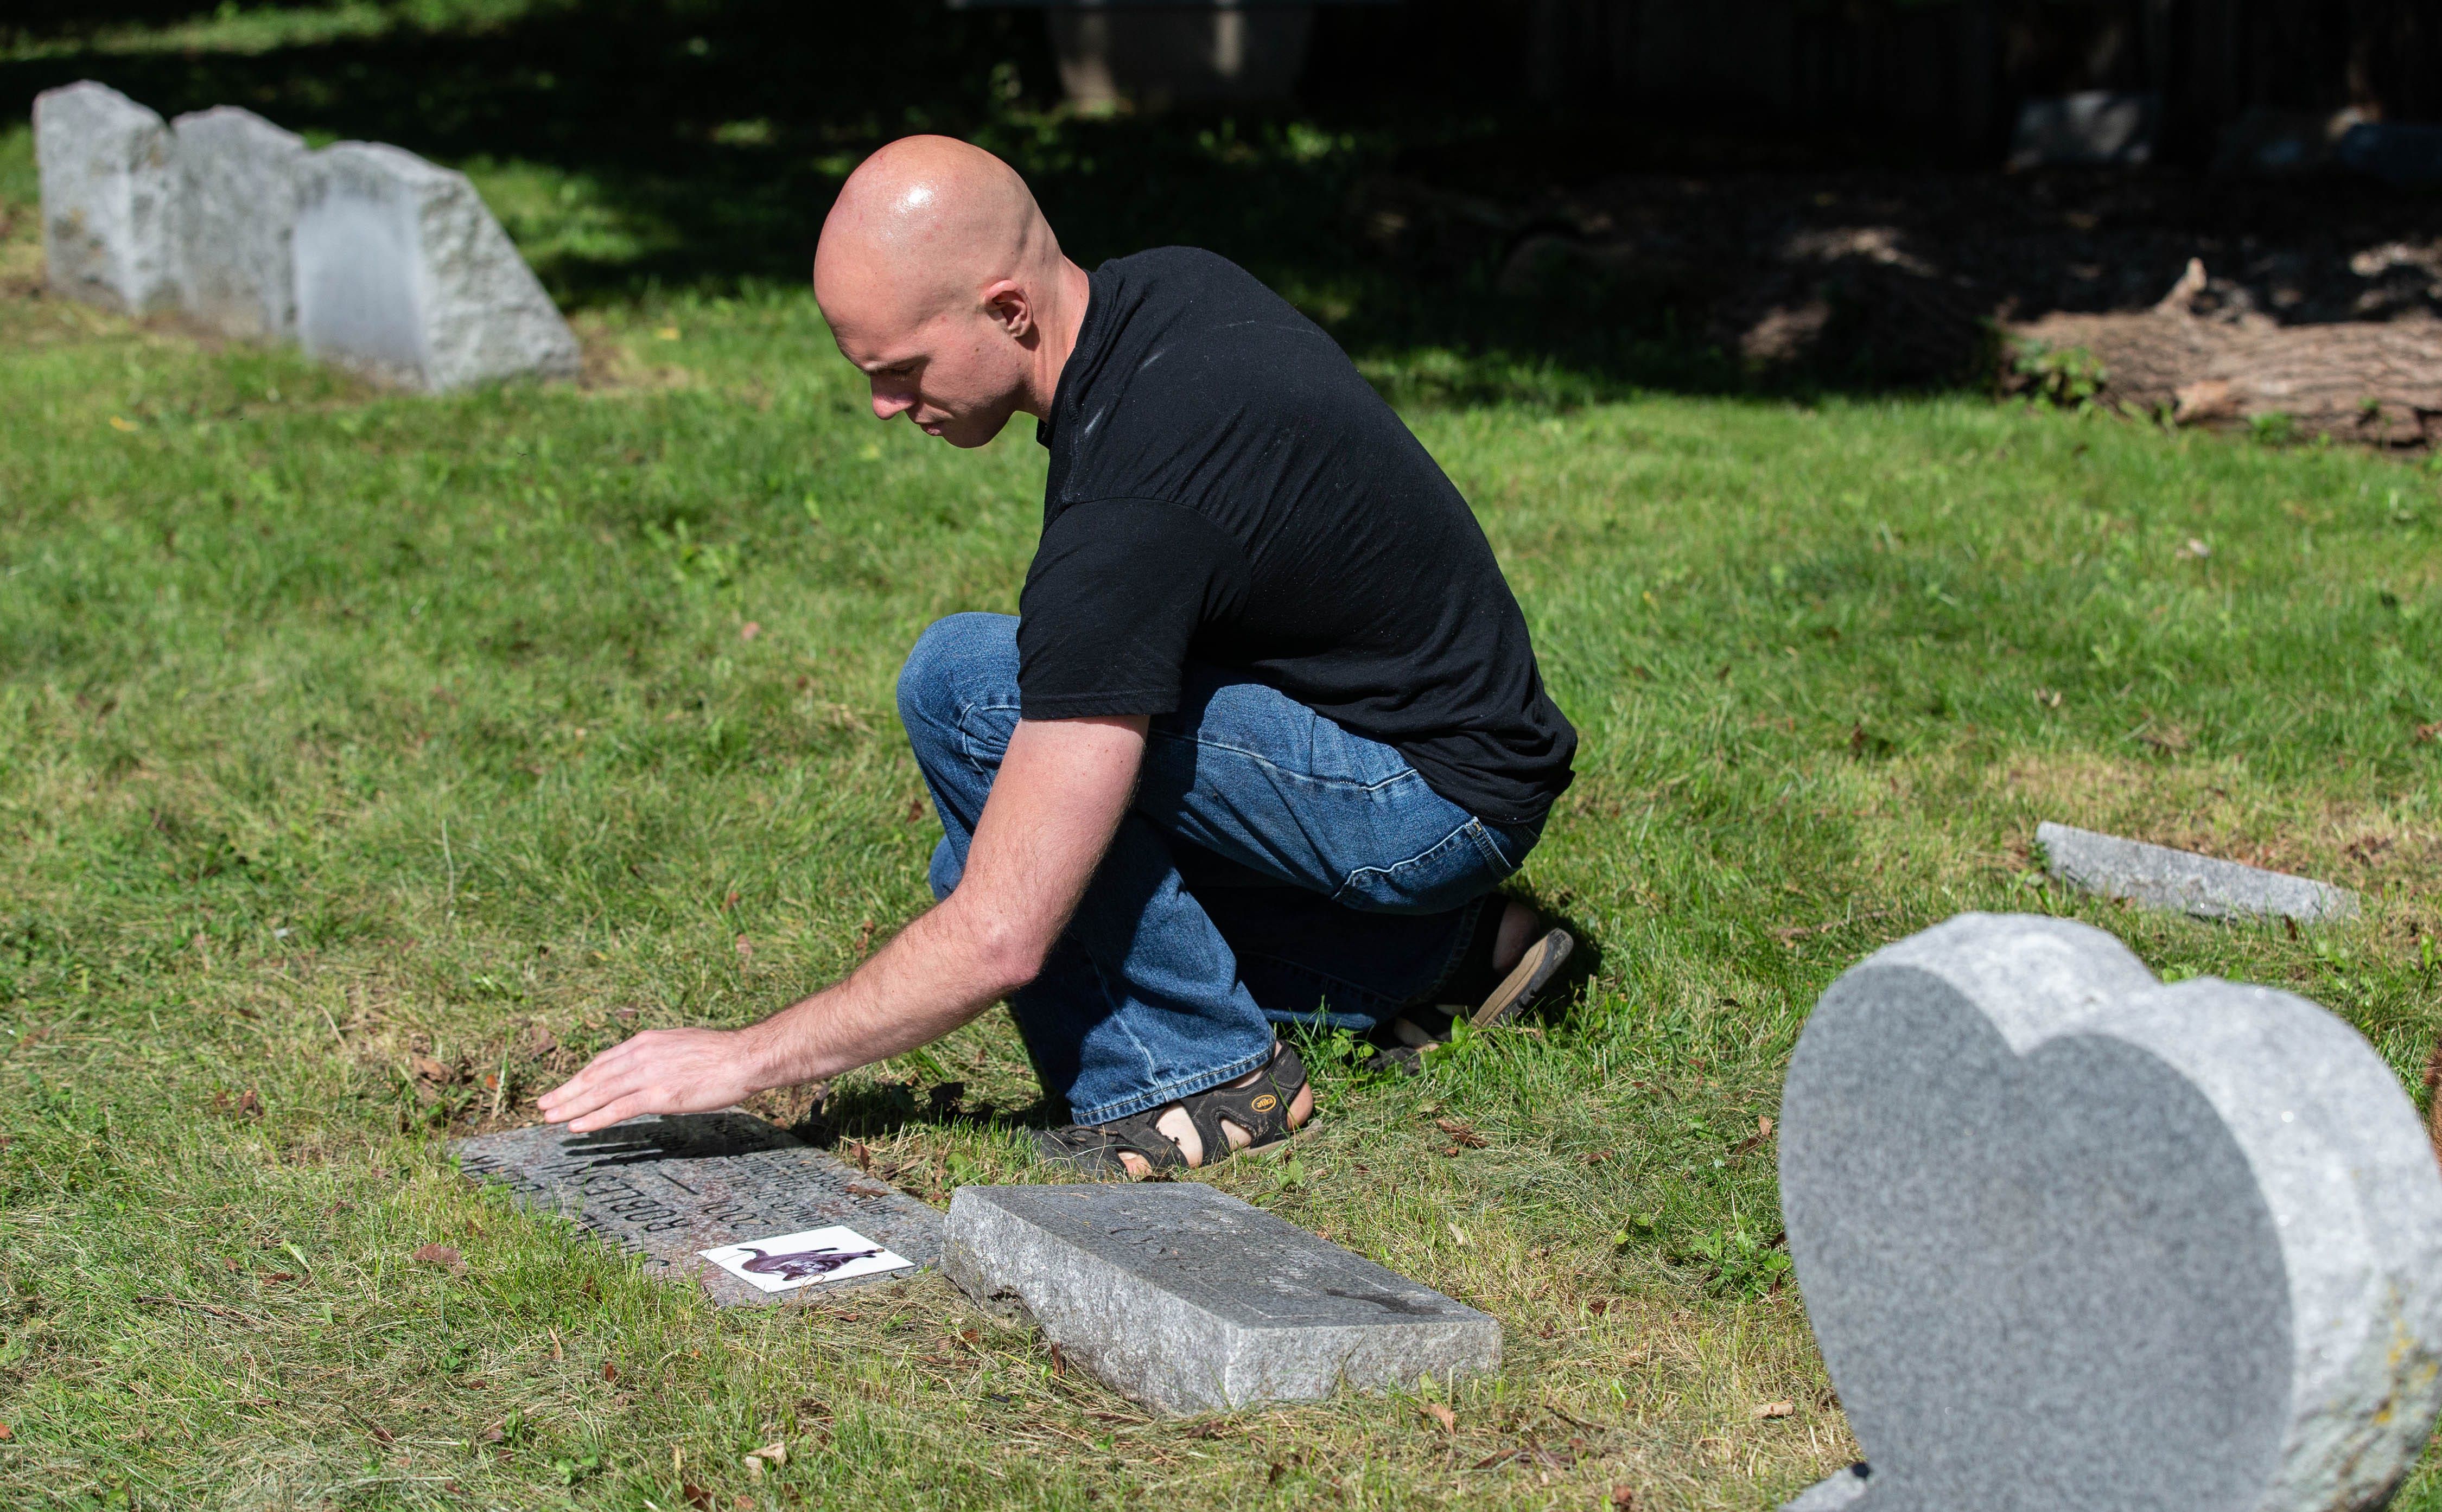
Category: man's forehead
[878,348]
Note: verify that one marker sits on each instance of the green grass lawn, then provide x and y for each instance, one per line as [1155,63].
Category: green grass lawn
[349,737]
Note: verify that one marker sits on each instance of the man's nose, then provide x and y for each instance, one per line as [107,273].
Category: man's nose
[886,405]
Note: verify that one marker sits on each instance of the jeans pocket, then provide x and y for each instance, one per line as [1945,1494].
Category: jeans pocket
[1462,866]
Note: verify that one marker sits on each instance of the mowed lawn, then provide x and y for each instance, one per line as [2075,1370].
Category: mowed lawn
[368,761]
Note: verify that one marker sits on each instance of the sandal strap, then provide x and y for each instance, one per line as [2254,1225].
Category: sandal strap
[1096,1148]
[1260,1107]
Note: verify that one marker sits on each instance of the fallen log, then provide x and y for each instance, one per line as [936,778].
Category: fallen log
[2376,383]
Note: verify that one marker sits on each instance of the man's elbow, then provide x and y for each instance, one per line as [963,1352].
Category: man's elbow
[1010,955]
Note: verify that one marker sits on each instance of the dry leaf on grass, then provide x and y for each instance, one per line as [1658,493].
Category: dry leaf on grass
[1776,1410]
[2428,734]
[1448,1420]
[1460,1133]
[440,1255]
[1756,1140]
[5,1433]
[1623,1497]
[431,1070]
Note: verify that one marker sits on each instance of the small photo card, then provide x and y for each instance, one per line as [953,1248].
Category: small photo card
[795,1260]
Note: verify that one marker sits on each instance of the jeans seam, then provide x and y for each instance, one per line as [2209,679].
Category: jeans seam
[1348,882]
[967,737]
[1173,1090]
[1491,853]
[1404,773]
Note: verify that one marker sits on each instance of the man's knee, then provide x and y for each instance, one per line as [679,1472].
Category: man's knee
[955,658]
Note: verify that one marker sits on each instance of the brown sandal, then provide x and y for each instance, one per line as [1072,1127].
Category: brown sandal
[1260,1107]
[1404,1039]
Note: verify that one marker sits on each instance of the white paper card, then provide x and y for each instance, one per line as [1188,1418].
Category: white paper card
[795,1260]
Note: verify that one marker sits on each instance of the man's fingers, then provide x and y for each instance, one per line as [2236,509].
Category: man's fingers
[591,1077]
[627,1107]
[623,1085]
[658,1072]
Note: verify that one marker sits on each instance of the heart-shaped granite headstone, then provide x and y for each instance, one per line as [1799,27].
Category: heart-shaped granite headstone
[2073,1241]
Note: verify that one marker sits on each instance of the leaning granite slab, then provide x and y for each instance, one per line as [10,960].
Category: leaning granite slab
[2181,880]
[665,1187]
[236,223]
[110,188]
[369,256]
[1190,1300]
[403,274]
[2072,1238]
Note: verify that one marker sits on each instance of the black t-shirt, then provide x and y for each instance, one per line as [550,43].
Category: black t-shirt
[1226,488]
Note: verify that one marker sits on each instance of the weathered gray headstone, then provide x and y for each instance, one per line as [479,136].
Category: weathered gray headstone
[109,187]
[2184,882]
[2092,128]
[2070,1238]
[665,1187]
[1190,1300]
[403,274]
[236,219]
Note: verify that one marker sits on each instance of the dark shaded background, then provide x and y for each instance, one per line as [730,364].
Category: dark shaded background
[1436,156]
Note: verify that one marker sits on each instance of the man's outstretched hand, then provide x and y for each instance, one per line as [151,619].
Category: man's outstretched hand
[662,1071]
[1063,787]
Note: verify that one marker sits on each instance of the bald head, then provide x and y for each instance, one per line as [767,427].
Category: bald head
[942,282]
[929,221]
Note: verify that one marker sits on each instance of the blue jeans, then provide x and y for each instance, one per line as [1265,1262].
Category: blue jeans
[1272,867]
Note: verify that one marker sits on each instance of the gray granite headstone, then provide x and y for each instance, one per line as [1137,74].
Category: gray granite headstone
[2091,128]
[2184,882]
[109,178]
[236,219]
[1190,1300]
[403,274]
[2070,1238]
[665,1187]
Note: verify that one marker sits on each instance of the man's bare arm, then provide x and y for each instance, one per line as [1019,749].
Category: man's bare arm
[1063,786]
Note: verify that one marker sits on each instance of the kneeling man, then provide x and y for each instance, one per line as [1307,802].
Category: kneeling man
[1264,737]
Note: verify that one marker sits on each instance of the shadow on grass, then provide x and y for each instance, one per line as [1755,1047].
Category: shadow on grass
[667,147]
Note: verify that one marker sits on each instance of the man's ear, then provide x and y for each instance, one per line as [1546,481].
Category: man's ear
[1005,301]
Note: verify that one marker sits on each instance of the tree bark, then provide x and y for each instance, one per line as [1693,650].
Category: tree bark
[2374,383]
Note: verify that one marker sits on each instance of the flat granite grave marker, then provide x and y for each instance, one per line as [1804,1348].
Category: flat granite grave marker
[1190,1300]
[110,186]
[666,1188]
[2070,1238]
[2183,881]
[403,274]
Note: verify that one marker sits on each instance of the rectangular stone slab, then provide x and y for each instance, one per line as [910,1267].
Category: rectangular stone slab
[663,1188]
[236,221]
[110,183]
[2184,882]
[1190,1300]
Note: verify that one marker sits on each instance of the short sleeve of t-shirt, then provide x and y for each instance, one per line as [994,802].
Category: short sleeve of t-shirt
[1116,594]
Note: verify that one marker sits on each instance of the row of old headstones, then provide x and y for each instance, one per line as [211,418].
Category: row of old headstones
[365,254]
[2067,1237]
